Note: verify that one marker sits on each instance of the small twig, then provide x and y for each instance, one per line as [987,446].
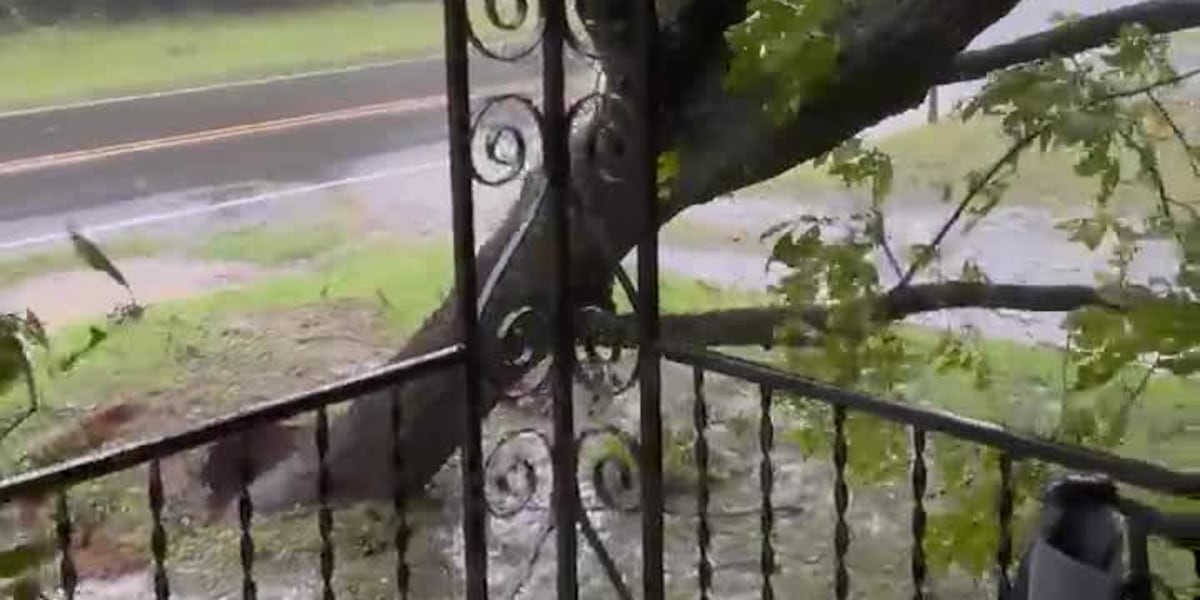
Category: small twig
[1065,370]
[1165,201]
[1149,87]
[974,191]
[17,422]
[885,246]
[1011,154]
[1180,136]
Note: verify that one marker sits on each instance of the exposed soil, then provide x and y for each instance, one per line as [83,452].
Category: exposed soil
[65,296]
[268,355]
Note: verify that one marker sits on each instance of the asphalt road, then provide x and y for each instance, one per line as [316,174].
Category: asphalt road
[223,142]
[89,125]
[303,130]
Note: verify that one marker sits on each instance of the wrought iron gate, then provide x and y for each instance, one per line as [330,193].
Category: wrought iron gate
[555,329]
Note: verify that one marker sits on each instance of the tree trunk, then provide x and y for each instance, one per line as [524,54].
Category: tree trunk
[723,141]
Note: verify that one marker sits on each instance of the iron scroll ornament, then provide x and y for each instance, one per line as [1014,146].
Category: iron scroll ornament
[514,470]
[523,26]
[513,482]
[503,153]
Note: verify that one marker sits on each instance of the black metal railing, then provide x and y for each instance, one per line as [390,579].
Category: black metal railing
[57,481]
[1145,522]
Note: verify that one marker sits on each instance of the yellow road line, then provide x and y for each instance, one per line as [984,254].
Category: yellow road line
[26,165]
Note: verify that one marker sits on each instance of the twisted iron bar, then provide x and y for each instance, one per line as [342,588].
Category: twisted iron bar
[841,501]
[245,522]
[703,531]
[324,514]
[919,477]
[1004,510]
[67,575]
[158,534]
[766,474]
[402,532]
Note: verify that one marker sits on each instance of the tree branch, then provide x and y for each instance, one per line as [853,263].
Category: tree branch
[724,141]
[758,326]
[1158,16]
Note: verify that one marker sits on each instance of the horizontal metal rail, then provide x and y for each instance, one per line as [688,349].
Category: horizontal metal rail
[103,463]
[1139,473]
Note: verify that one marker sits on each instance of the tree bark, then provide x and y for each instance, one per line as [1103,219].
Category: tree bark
[758,326]
[1157,16]
[723,141]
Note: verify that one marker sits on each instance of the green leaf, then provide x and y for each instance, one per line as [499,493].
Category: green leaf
[783,47]
[1086,230]
[14,364]
[96,336]
[1076,127]
[21,558]
[95,258]
[668,167]
[35,329]
[776,229]
[791,250]
[972,273]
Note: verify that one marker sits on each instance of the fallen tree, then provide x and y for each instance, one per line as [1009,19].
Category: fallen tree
[718,138]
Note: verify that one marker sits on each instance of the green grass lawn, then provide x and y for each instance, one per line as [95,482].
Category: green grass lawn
[926,157]
[293,240]
[77,61]
[143,354]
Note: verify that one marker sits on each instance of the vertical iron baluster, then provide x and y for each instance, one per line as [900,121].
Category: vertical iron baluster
[766,479]
[68,577]
[399,499]
[841,501]
[245,518]
[324,514]
[1196,567]
[558,172]
[1004,511]
[919,475]
[1140,584]
[465,290]
[650,382]
[703,533]
[158,534]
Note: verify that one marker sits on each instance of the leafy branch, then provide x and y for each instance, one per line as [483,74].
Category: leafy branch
[1193,154]
[977,186]
[1010,91]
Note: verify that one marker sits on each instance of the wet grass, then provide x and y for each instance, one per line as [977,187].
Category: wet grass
[79,61]
[929,156]
[1028,387]
[283,241]
[157,352]
[266,245]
